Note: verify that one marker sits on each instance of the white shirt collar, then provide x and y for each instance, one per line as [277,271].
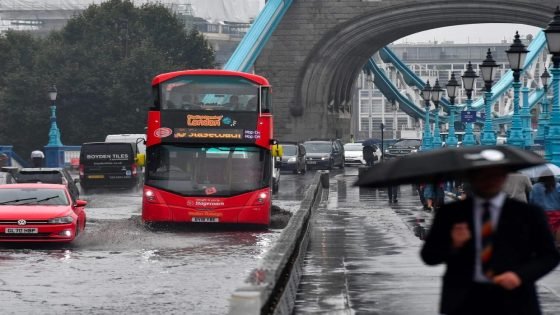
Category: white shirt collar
[496,202]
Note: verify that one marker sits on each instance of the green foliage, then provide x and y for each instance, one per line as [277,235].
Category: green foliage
[102,63]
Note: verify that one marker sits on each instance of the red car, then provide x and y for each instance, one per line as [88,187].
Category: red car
[39,213]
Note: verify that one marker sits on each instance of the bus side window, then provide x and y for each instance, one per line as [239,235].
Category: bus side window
[265,100]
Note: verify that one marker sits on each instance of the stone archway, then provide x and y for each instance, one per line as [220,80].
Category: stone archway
[314,57]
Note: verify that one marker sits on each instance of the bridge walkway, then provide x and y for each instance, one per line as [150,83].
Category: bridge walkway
[363,257]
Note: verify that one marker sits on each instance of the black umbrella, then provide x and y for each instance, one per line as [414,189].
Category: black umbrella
[371,141]
[446,163]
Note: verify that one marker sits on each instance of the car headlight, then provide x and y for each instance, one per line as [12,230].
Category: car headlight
[61,220]
[325,158]
[414,150]
[291,160]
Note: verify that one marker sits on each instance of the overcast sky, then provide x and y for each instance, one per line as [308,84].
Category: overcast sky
[472,33]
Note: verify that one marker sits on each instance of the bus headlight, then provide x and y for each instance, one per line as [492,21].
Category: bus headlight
[262,197]
[150,195]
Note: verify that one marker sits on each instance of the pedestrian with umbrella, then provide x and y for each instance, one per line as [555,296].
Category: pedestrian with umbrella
[495,248]
[368,154]
[546,195]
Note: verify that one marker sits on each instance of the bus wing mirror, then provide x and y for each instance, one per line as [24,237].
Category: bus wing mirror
[277,150]
[141,159]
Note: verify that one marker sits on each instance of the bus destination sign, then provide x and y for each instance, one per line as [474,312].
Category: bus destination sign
[213,126]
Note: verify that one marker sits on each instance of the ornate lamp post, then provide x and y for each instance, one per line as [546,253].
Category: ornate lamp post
[487,70]
[427,137]
[543,117]
[516,55]
[437,92]
[54,133]
[54,150]
[452,87]
[469,77]
[552,33]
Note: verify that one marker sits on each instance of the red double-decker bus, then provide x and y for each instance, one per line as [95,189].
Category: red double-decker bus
[208,148]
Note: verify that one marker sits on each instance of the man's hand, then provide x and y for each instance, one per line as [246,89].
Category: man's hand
[460,234]
[508,280]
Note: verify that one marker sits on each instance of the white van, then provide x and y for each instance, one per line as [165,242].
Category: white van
[131,138]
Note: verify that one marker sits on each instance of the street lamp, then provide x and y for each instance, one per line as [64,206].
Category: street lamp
[487,69]
[452,87]
[437,92]
[516,55]
[552,33]
[469,77]
[427,137]
[54,133]
[543,117]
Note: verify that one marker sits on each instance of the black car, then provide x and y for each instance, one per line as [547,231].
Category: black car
[324,154]
[50,175]
[293,158]
[403,147]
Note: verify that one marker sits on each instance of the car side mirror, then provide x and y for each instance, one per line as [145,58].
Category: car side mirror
[81,203]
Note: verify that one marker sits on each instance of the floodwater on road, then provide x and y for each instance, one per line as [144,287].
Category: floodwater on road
[119,266]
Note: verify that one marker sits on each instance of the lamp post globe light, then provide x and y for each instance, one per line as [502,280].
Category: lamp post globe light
[427,137]
[469,77]
[487,69]
[516,54]
[54,150]
[437,92]
[452,88]
[543,116]
[54,133]
[552,33]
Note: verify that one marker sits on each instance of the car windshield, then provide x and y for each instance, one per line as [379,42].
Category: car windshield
[353,147]
[289,149]
[318,147]
[33,196]
[407,143]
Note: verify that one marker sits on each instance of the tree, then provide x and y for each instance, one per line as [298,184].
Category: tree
[102,63]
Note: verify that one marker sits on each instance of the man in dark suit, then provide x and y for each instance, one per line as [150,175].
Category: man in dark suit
[495,249]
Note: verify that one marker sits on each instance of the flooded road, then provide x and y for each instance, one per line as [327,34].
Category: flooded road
[120,266]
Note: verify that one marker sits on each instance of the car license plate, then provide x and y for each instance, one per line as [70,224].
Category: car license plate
[311,162]
[195,219]
[96,176]
[22,230]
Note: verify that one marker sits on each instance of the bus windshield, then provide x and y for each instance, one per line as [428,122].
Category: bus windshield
[208,170]
[209,92]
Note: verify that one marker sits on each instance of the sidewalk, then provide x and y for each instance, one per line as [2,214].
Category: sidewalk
[364,258]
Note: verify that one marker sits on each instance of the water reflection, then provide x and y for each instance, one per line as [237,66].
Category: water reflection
[341,189]
[368,194]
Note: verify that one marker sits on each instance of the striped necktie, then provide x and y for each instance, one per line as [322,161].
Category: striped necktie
[486,240]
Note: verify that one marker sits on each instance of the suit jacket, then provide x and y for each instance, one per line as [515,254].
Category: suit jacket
[522,243]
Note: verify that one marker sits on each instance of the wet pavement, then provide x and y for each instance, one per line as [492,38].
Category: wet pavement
[118,266]
[363,257]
